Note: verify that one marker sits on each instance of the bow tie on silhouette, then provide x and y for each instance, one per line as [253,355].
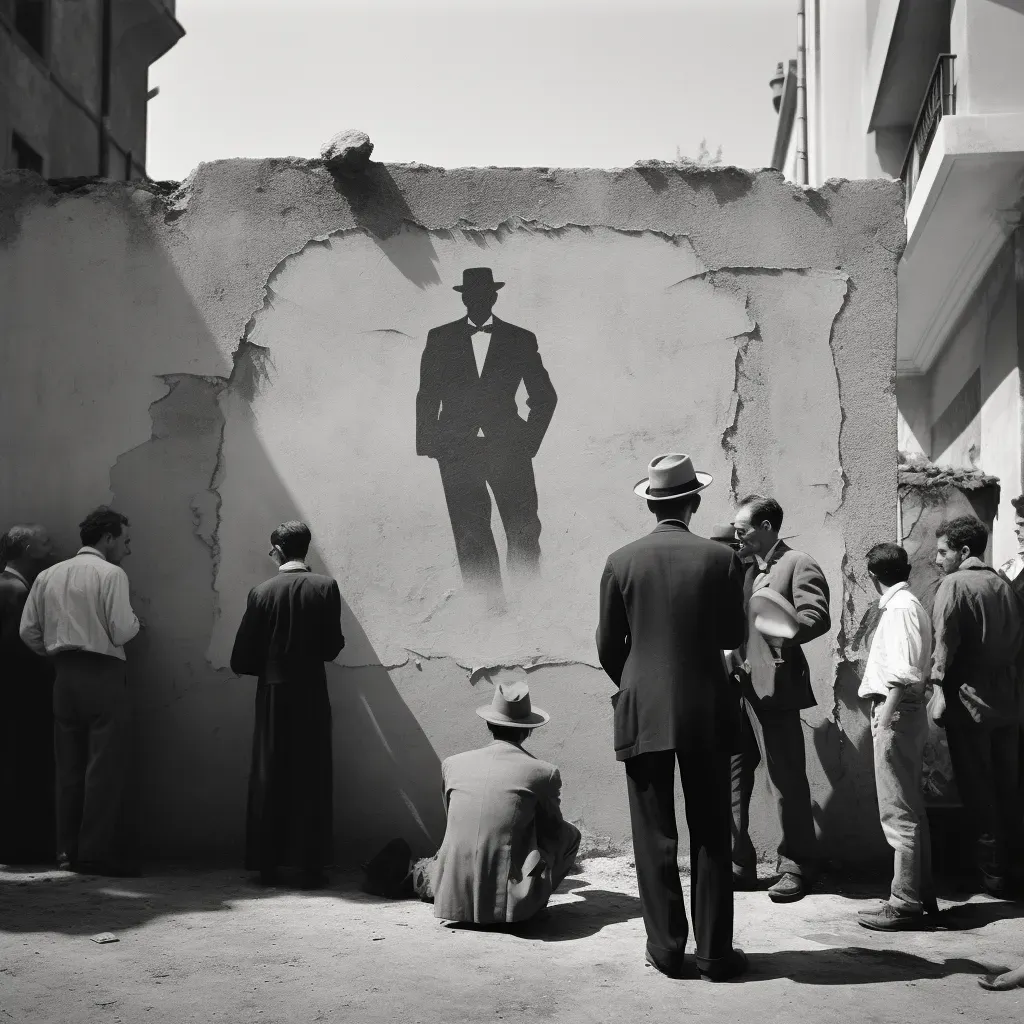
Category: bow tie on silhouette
[473,329]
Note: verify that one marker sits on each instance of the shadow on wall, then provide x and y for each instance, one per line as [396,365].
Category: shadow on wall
[194,722]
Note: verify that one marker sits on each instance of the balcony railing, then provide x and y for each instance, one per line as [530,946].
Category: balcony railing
[939,100]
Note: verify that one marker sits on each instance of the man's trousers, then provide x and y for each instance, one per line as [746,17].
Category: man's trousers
[91,730]
[650,780]
[777,738]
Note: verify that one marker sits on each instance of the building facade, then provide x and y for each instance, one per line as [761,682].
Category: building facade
[932,91]
[74,83]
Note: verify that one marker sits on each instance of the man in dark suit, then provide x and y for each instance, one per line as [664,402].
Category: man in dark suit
[291,626]
[778,687]
[467,419]
[27,773]
[671,602]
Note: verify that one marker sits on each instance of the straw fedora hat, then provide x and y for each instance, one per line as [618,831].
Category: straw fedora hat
[671,476]
[774,617]
[511,707]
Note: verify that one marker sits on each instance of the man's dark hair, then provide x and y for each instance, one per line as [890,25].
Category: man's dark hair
[675,508]
[509,733]
[1018,504]
[964,532]
[763,508]
[889,563]
[293,538]
[99,522]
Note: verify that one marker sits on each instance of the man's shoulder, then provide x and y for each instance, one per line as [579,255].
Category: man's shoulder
[514,330]
[284,581]
[447,330]
[658,540]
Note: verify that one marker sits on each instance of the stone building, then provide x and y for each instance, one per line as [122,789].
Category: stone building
[932,92]
[74,83]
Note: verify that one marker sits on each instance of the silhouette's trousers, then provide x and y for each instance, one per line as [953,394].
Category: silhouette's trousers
[91,730]
[465,477]
[777,737]
[651,786]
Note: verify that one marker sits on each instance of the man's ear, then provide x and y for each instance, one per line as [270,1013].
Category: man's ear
[965,553]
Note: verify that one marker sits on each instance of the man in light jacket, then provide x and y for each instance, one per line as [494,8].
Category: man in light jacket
[506,847]
[78,613]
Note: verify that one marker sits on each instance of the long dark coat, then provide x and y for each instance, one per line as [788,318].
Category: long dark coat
[671,602]
[291,626]
[27,813]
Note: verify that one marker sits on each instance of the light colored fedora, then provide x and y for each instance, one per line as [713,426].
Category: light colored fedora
[511,707]
[671,476]
[774,617]
[723,532]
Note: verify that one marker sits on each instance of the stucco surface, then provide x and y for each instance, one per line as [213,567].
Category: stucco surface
[217,357]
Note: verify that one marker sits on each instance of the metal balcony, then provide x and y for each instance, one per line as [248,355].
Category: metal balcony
[939,100]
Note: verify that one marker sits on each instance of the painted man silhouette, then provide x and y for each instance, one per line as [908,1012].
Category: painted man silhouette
[467,419]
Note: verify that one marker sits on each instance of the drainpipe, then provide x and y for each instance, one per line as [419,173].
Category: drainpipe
[801,92]
[106,44]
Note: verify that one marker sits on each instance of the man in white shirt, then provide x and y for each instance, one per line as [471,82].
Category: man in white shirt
[895,680]
[78,613]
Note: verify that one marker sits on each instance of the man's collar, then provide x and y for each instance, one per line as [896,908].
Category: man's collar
[489,322]
[14,572]
[676,523]
[973,563]
[884,599]
[85,549]
[764,563]
[294,565]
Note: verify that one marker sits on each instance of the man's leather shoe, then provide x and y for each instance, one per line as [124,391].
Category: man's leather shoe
[788,889]
[888,918]
[671,969]
[729,967]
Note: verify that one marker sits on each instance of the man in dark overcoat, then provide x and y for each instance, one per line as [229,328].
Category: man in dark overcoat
[27,775]
[777,688]
[670,604]
[291,626]
[467,418]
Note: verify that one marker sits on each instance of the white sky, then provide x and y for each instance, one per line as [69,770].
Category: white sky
[561,83]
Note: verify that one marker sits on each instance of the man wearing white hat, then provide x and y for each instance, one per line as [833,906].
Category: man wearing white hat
[506,847]
[670,603]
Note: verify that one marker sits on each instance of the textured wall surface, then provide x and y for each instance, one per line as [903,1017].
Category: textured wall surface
[246,348]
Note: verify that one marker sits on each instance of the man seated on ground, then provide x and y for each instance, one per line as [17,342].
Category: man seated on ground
[506,847]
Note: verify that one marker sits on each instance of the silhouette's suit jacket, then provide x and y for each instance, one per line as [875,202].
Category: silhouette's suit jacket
[454,402]
[799,579]
[671,602]
[506,841]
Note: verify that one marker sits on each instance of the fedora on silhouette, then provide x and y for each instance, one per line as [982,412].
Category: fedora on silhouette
[468,420]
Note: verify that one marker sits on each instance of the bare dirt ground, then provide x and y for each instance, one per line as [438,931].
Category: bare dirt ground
[211,946]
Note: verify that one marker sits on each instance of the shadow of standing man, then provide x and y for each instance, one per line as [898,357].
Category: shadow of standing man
[467,419]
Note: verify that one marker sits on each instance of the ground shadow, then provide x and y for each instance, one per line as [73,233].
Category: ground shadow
[852,965]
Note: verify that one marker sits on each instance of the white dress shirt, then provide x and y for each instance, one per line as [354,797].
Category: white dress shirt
[80,604]
[901,650]
[1012,568]
[481,343]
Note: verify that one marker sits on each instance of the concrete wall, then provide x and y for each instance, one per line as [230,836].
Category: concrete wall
[247,349]
[988,38]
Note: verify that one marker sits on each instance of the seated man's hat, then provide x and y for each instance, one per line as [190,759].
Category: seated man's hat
[511,707]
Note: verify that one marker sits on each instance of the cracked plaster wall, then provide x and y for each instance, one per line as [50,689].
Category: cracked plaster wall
[245,348]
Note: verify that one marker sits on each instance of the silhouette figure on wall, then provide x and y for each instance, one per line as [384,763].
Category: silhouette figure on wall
[467,419]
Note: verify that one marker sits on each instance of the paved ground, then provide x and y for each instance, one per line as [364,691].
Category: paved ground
[210,946]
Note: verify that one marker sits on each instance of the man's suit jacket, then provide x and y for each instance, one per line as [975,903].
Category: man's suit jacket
[799,579]
[291,626]
[503,814]
[454,401]
[671,602]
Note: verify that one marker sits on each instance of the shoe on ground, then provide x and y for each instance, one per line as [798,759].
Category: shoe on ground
[727,968]
[744,882]
[788,889]
[671,969]
[888,918]
[995,885]
[64,862]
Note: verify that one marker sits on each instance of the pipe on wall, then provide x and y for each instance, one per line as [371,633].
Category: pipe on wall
[106,45]
[801,92]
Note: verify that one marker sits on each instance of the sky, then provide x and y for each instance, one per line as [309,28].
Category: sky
[463,83]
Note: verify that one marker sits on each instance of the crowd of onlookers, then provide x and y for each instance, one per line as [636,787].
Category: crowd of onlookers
[703,640]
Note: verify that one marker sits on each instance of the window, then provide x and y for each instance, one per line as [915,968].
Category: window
[25,157]
[30,22]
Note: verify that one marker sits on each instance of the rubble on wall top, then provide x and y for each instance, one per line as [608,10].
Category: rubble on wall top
[918,471]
